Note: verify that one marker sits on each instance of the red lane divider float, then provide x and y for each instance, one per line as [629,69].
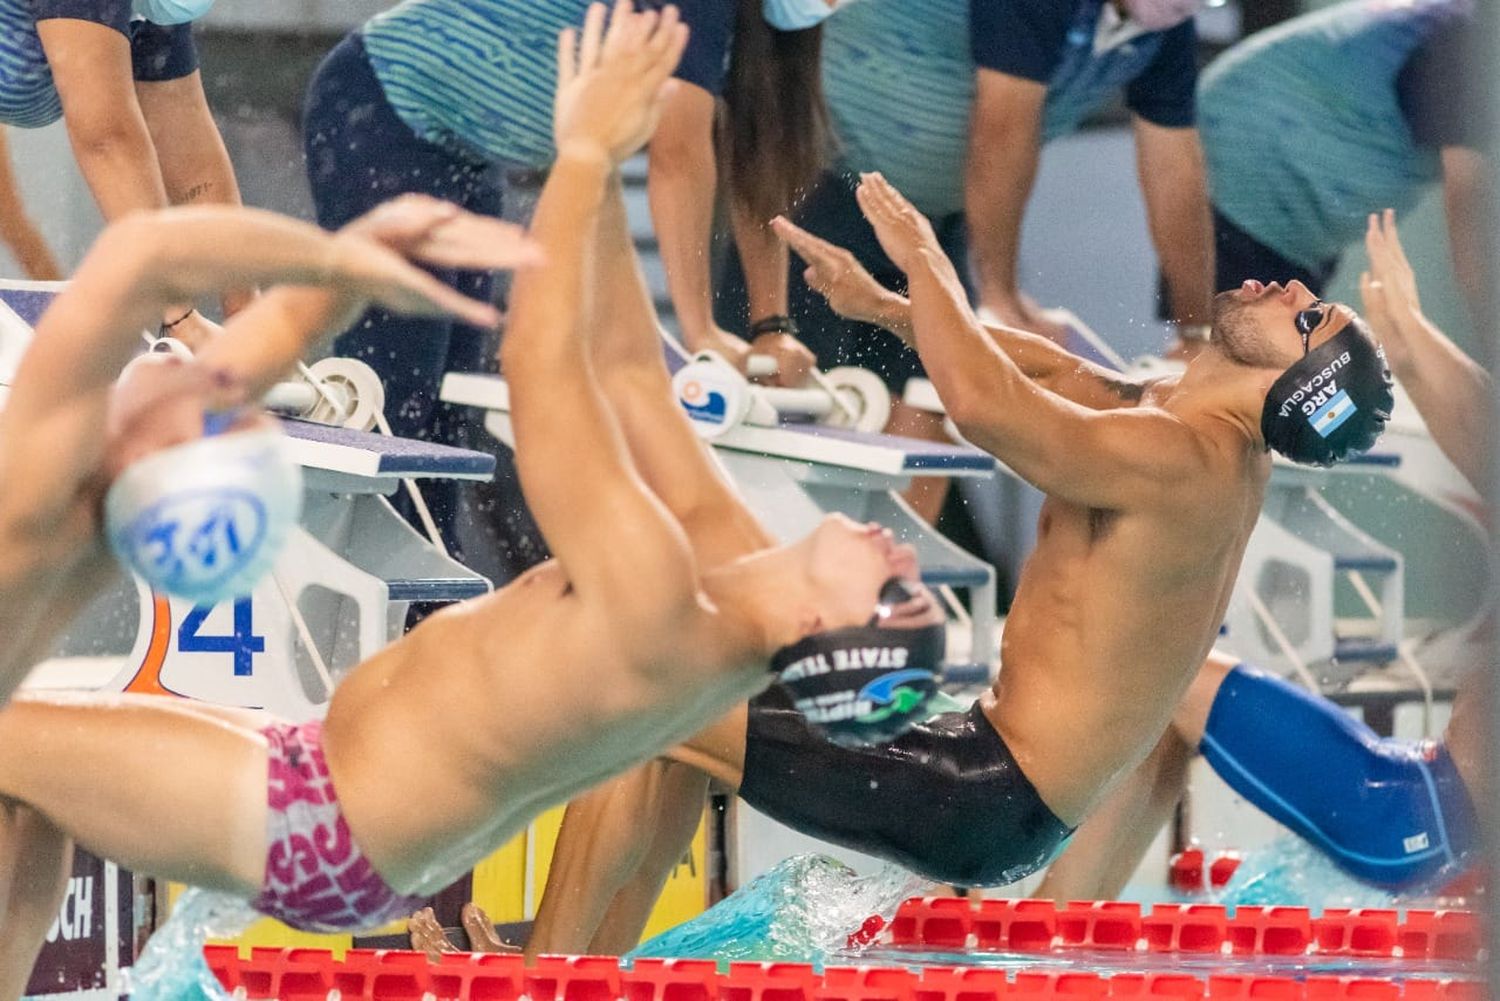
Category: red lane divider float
[391,975]
[1040,925]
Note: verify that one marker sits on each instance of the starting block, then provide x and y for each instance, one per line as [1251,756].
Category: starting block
[792,471]
[338,594]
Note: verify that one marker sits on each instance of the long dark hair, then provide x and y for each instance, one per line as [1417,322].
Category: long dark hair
[773,131]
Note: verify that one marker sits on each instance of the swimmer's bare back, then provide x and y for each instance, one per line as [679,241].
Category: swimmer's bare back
[446,743]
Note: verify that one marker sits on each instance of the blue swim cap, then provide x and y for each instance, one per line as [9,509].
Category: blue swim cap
[205,521]
[867,684]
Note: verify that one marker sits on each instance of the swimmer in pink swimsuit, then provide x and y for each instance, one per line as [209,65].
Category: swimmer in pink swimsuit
[666,604]
[317,879]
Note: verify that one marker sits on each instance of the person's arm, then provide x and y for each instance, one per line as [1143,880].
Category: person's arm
[853,293]
[1451,391]
[1005,141]
[764,260]
[1169,158]
[261,343]
[194,164]
[1175,187]
[574,466]
[627,353]
[681,182]
[54,421]
[17,230]
[1468,201]
[1108,459]
[91,66]
[1445,109]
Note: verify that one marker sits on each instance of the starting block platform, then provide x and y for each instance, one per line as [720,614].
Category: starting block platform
[370,460]
[792,475]
[338,594]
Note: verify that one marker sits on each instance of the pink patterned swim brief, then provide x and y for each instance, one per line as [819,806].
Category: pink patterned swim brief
[317,879]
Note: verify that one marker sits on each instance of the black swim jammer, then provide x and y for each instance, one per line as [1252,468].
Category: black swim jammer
[945,800]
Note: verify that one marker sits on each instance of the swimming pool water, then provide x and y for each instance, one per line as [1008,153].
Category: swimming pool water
[172,967]
[804,910]
[800,911]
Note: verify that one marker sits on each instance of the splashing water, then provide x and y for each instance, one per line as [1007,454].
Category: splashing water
[801,911]
[1291,871]
[172,967]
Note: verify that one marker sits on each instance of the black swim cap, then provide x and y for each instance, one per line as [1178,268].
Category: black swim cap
[1333,402]
[866,684]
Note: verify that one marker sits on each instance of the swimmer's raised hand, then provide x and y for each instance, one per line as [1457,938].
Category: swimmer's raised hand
[1388,290]
[610,84]
[836,275]
[421,228]
[903,231]
[372,272]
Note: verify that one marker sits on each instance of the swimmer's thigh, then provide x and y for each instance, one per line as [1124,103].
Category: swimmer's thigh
[36,859]
[162,791]
[1391,812]
[718,750]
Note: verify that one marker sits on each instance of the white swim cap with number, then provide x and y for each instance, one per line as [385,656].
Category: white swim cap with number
[205,521]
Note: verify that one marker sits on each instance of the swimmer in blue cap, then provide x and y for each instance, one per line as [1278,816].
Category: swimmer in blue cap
[666,604]
[1153,491]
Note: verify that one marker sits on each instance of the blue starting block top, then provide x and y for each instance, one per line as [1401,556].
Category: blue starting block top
[29,303]
[918,456]
[364,453]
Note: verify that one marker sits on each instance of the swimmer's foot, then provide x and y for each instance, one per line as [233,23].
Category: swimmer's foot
[481,931]
[427,935]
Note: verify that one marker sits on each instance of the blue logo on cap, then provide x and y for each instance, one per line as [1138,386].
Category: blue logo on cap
[197,539]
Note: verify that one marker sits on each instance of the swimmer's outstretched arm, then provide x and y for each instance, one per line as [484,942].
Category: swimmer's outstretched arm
[53,426]
[262,342]
[1113,459]
[616,541]
[627,355]
[1451,391]
[853,293]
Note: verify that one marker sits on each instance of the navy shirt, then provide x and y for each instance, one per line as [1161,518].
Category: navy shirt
[482,73]
[1066,47]
[28,96]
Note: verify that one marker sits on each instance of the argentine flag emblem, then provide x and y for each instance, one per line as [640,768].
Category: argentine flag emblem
[1331,416]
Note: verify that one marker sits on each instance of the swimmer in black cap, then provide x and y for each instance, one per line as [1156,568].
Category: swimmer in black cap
[1153,491]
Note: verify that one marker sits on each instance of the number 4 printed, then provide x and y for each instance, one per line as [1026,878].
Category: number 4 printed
[242,643]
